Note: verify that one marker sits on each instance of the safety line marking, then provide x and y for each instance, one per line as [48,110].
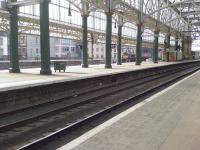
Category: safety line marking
[76,142]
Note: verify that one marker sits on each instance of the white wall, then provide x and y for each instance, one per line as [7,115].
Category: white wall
[99,50]
[56,47]
[33,47]
[5,46]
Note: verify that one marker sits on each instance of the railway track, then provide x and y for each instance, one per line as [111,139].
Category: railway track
[33,127]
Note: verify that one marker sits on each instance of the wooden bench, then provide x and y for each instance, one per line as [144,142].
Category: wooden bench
[59,65]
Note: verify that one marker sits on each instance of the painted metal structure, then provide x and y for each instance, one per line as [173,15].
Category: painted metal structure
[177,18]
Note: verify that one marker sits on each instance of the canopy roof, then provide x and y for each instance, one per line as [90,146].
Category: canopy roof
[175,16]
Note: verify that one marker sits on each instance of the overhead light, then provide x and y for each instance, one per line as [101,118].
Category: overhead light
[69,11]
[115,25]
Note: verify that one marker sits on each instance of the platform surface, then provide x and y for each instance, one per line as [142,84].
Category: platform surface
[169,120]
[32,77]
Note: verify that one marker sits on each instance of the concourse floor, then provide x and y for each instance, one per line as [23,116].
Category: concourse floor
[31,77]
[169,120]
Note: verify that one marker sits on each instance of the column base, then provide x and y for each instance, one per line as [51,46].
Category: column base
[45,72]
[155,62]
[84,66]
[108,66]
[119,63]
[137,63]
[14,70]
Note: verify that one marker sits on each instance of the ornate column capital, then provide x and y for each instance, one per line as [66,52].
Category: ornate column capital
[109,13]
[157,31]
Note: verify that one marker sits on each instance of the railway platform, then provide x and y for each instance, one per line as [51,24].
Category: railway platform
[36,109]
[31,77]
[169,120]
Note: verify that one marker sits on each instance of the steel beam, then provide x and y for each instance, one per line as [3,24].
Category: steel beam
[25,3]
[44,38]
[168,41]
[139,44]
[84,42]
[108,40]
[176,43]
[167,45]
[183,45]
[155,46]
[14,58]
[119,46]
[139,33]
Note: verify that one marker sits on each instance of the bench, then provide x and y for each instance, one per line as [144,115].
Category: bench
[59,65]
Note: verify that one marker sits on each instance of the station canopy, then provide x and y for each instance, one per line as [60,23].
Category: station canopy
[177,16]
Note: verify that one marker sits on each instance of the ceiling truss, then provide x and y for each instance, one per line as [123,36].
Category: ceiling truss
[177,16]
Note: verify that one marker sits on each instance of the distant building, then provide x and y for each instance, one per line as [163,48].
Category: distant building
[3,47]
[29,48]
[60,48]
[99,51]
[22,50]
[65,48]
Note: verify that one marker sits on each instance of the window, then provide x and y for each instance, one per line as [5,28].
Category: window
[36,40]
[1,53]
[65,49]
[97,56]
[22,39]
[72,49]
[97,49]
[1,41]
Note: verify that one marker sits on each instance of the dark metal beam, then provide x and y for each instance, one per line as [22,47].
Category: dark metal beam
[44,38]
[187,12]
[25,3]
[14,58]
[119,46]
[173,7]
[108,40]
[85,42]
[187,4]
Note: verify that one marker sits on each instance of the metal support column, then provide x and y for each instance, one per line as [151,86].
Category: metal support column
[84,42]
[44,38]
[156,36]
[176,43]
[190,47]
[167,45]
[108,40]
[139,33]
[92,46]
[14,58]
[183,45]
[155,46]
[119,46]
[168,41]
[139,44]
